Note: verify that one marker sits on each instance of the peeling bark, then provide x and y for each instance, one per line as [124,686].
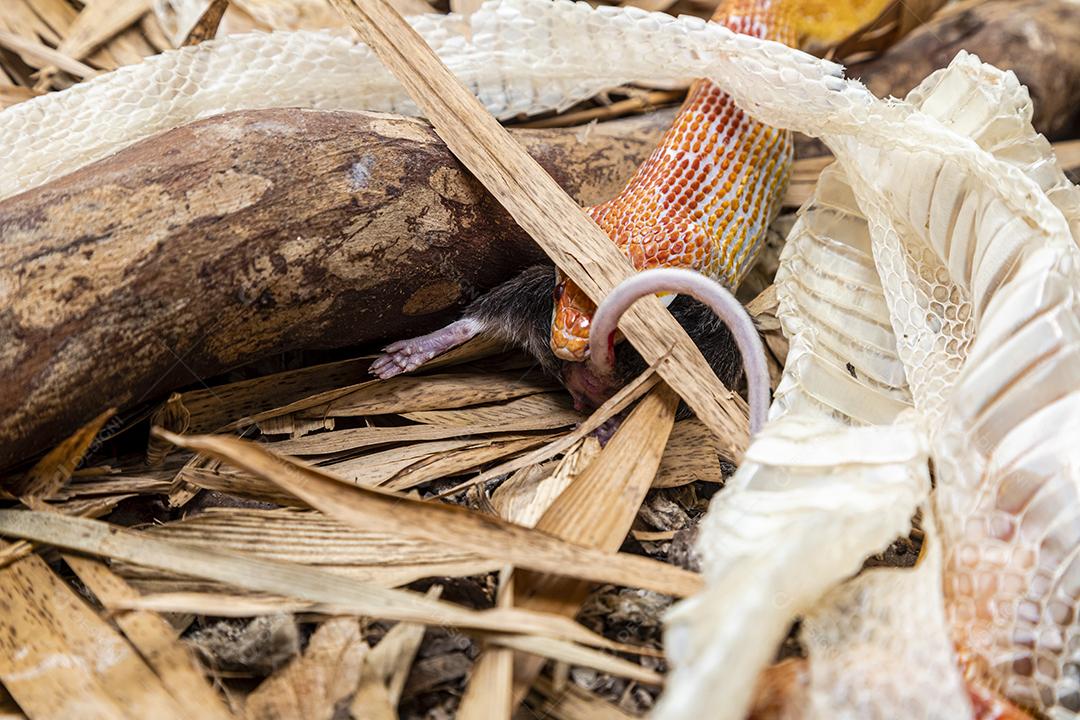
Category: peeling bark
[250,234]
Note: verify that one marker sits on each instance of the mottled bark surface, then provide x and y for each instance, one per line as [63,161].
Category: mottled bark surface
[249,234]
[1039,40]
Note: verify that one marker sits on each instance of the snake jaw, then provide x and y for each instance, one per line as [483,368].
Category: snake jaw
[571,321]
[574,351]
[570,347]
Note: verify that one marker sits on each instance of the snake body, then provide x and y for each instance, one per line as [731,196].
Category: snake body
[705,197]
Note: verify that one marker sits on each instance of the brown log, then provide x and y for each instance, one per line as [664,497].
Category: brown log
[250,234]
[1039,40]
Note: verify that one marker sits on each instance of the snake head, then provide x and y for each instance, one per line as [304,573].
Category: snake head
[570,321]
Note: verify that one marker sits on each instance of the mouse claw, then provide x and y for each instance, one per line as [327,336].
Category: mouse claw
[407,355]
[387,366]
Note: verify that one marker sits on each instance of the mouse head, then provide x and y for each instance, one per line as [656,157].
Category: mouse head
[570,321]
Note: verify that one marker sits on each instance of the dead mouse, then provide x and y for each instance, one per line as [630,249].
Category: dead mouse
[519,313]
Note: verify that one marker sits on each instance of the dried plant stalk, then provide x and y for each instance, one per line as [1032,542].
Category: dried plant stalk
[332,591]
[53,471]
[44,620]
[613,406]
[373,509]
[598,508]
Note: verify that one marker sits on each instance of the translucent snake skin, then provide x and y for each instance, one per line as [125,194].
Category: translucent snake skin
[929,294]
[928,291]
[705,197]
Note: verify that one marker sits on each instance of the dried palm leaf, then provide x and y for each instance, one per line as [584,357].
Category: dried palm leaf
[374,509]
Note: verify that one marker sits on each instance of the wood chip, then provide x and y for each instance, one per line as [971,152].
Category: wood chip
[377,467]
[307,538]
[294,426]
[372,702]
[340,441]
[221,604]
[206,25]
[311,686]
[21,18]
[236,482]
[489,692]
[9,710]
[435,392]
[544,411]
[163,582]
[174,417]
[467,458]
[250,401]
[303,537]
[99,21]
[598,508]
[14,94]
[151,29]
[653,536]
[180,490]
[91,508]
[642,103]
[577,655]
[147,483]
[692,455]
[528,493]
[233,606]
[399,468]
[386,668]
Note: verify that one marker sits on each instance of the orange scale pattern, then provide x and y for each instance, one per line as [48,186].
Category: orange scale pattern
[706,195]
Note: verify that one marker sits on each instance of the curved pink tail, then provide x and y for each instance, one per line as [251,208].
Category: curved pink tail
[710,292]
